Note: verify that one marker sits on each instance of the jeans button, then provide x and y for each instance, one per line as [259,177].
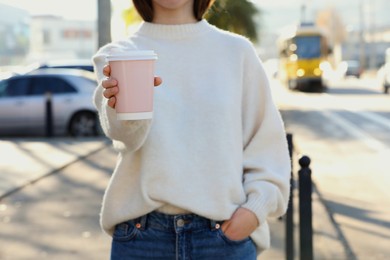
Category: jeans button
[180,223]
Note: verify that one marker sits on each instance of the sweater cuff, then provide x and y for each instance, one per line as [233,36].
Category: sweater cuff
[261,204]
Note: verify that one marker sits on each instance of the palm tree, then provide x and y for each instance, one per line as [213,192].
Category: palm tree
[104,22]
[233,15]
[236,16]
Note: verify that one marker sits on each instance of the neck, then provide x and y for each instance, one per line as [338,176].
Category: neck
[183,15]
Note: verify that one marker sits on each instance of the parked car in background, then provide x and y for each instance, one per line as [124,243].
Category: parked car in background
[384,73]
[351,68]
[23,103]
[63,64]
[6,74]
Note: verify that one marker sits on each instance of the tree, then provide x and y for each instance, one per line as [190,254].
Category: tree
[237,16]
[104,22]
[130,16]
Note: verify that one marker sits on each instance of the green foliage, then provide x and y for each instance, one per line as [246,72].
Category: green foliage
[237,16]
[130,16]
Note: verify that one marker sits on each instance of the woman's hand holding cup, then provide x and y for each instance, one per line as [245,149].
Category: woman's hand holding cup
[111,86]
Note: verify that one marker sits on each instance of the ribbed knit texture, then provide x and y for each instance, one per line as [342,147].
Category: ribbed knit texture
[216,141]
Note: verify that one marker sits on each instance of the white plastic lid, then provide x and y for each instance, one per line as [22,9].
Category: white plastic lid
[133,55]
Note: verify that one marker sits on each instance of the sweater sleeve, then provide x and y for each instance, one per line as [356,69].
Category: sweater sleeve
[131,133]
[266,162]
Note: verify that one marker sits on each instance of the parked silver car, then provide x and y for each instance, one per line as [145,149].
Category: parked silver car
[23,103]
[68,64]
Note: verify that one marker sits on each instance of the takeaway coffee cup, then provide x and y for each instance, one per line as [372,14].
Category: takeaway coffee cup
[134,71]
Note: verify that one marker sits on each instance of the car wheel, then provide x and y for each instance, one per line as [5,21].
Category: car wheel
[83,124]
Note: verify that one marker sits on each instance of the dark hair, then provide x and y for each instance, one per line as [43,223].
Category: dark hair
[145,8]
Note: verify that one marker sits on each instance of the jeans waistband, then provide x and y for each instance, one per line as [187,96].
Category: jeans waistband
[175,223]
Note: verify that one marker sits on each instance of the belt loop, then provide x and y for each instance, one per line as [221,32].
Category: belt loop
[143,221]
[140,223]
[214,225]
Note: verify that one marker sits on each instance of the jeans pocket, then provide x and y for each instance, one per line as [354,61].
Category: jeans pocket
[231,241]
[124,232]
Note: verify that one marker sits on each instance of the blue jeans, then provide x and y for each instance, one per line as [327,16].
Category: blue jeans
[180,237]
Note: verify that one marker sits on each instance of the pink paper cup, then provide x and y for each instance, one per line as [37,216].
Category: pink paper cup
[134,71]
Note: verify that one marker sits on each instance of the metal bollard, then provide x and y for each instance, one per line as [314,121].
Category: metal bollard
[289,225]
[49,115]
[305,209]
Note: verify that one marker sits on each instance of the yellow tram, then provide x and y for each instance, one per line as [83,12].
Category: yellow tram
[303,52]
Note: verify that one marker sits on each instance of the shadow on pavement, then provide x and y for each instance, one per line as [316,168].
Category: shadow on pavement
[58,217]
[359,213]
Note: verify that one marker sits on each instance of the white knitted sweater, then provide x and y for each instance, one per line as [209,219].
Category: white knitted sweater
[216,141]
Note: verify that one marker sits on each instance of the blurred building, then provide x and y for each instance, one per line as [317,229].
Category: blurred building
[378,41]
[14,34]
[368,47]
[366,24]
[57,38]
[25,39]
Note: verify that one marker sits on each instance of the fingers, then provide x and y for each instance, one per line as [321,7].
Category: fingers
[110,92]
[110,87]
[109,83]
[242,223]
[111,102]
[225,225]
[157,81]
[107,70]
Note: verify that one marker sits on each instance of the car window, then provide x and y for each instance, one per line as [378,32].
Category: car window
[14,87]
[82,67]
[84,83]
[3,88]
[54,85]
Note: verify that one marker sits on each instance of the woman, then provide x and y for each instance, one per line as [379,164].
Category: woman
[199,180]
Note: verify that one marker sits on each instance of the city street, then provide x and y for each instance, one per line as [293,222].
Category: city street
[55,161]
[345,131]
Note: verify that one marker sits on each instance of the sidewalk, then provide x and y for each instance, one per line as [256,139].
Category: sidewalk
[25,160]
[62,209]
[57,216]
[326,240]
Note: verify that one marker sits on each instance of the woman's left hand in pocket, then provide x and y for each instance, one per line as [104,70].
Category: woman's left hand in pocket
[242,223]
